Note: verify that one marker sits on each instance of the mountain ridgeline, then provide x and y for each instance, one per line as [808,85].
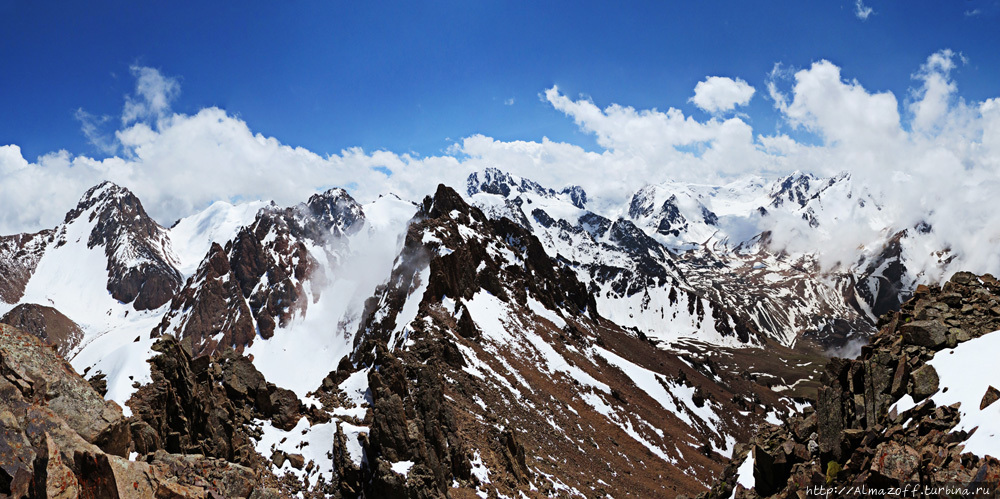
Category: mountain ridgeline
[505,340]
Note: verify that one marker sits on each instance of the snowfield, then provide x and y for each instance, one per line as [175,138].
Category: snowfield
[965,373]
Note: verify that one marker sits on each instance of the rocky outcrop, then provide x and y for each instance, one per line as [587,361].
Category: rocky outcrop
[412,422]
[206,405]
[60,439]
[44,378]
[210,310]
[851,437]
[46,323]
[459,402]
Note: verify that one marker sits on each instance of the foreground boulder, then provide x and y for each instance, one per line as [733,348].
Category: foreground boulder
[34,372]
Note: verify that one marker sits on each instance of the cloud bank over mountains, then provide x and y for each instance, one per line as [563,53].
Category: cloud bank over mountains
[932,157]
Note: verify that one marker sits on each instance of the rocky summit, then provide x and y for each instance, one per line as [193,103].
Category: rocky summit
[507,339]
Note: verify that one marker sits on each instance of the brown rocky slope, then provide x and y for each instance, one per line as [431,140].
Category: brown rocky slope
[507,381]
[854,436]
[48,324]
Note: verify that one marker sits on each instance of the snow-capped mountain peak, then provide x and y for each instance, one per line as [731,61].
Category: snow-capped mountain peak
[141,265]
[495,181]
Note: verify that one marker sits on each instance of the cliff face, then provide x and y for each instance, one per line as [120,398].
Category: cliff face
[880,420]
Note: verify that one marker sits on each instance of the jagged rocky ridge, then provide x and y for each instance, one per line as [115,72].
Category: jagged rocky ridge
[634,279]
[666,287]
[672,268]
[475,321]
[263,277]
[874,423]
[485,402]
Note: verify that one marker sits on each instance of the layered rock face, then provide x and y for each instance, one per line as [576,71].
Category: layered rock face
[874,422]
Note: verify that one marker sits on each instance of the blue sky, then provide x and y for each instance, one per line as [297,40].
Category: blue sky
[189,103]
[408,76]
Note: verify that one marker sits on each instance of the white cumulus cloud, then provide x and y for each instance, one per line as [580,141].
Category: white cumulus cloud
[933,158]
[719,93]
[153,94]
[932,99]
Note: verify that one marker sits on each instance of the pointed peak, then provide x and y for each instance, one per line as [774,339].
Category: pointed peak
[331,193]
[104,190]
[334,207]
[105,195]
[444,201]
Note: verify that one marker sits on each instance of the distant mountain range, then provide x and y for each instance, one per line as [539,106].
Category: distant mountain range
[499,337]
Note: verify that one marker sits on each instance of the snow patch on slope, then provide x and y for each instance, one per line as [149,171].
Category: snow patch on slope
[191,237]
[678,399]
[73,279]
[967,371]
[314,443]
[315,343]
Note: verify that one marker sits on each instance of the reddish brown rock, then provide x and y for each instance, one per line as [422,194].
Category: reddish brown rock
[47,323]
[43,376]
[296,460]
[896,461]
[139,271]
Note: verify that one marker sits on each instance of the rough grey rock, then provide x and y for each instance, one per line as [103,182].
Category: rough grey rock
[927,333]
[925,382]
